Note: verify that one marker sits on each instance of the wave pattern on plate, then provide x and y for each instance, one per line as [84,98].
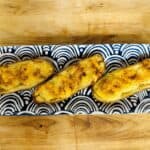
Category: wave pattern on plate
[10,104]
[8,58]
[64,53]
[134,52]
[25,113]
[115,56]
[104,49]
[81,105]
[115,62]
[43,109]
[144,106]
[28,52]
[116,108]
[26,95]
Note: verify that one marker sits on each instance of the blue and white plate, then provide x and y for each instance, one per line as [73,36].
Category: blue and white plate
[115,55]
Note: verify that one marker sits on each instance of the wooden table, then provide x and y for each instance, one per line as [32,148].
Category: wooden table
[75,21]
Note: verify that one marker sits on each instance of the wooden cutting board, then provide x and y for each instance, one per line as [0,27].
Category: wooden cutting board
[75,21]
[101,132]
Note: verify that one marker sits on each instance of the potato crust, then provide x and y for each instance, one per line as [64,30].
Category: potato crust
[69,81]
[123,82]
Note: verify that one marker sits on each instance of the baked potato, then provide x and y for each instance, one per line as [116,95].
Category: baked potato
[25,74]
[69,81]
[123,82]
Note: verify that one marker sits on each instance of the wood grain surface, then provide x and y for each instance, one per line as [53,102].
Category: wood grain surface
[75,21]
[101,132]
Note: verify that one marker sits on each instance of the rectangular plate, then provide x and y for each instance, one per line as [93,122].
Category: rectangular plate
[115,56]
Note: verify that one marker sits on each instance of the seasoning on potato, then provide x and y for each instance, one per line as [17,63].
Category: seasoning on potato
[69,81]
[123,82]
[24,75]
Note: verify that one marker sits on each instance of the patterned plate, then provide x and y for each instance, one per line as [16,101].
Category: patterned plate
[115,55]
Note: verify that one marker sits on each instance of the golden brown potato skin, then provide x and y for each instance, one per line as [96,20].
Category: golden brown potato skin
[66,83]
[123,82]
[24,75]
